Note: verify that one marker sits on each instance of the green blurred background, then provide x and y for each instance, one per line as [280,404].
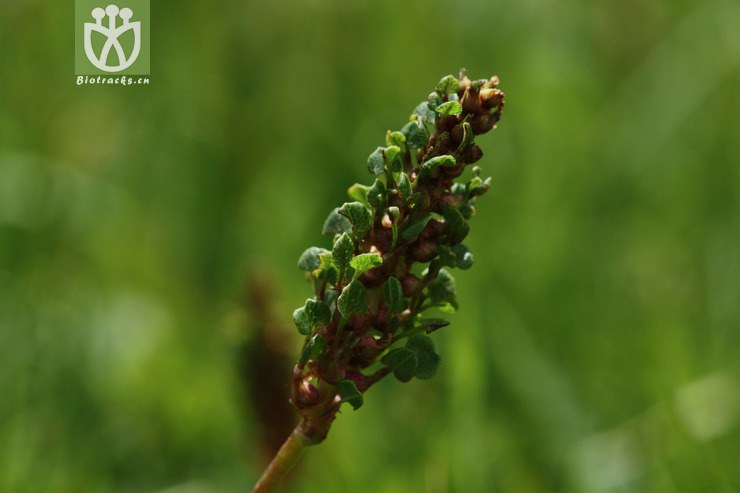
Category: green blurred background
[598,341]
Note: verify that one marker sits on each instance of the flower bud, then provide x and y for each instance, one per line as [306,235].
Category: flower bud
[433,229]
[470,102]
[423,251]
[482,123]
[474,154]
[491,98]
[307,395]
[457,135]
[493,81]
[411,285]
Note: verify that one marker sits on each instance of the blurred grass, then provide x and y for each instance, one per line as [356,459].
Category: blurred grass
[597,345]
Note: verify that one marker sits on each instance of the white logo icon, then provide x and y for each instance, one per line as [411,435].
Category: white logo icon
[111,32]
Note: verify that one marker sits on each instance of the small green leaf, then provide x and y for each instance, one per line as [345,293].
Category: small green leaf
[336,224]
[456,227]
[448,84]
[342,252]
[467,210]
[352,300]
[348,392]
[468,135]
[376,163]
[311,315]
[434,100]
[392,157]
[447,257]
[359,216]
[428,359]
[432,324]
[403,362]
[326,260]
[449,108]
[442,291]
[327,270]
[315,348]
[445,160]
[479,187]
[365,262]
[404,186]
[394,212]
[463,256]
[416,134]
[359,193]
[416,228]
[302,321]
[330,296]
[376,194]
[309,259]
[416,199]
[393,295]
[395,138]
[423,112]
[458,189]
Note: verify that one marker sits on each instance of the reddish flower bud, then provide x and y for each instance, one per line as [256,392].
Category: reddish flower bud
[491,98]
[423,251]
[412,285]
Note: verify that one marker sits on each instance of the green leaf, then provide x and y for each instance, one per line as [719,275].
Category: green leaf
[442,291]
[428,359]
[330,296]
[336,224]
[327,270]
[315,348]
[445,160]
[416,228]
[479,187]
[467,210]
[432,324]
[434,100]
[395,138]
[394,212]
[447,257]
[359,193]
[352,300]
[423,112]
[463,256]
[449,108]
[376,194]
[344,249]
[393,295]
[403,362]
[348,392]
[365,262]
[404,186]
[468,135]
[416,134]
[376,163]
[456,227]
[458,189]
[448,84]
[359,216]
[311,315]
[392,157]
[309,259]
[416,199]
[326,260]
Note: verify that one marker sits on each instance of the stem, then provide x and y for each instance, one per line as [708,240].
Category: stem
[283,461]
